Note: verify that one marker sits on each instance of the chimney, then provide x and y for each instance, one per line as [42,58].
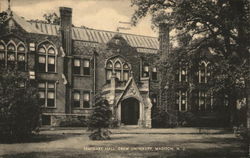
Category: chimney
[66,29]
[164,38]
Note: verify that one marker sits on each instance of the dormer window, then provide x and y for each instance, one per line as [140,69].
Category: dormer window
[118,70]
[21,56]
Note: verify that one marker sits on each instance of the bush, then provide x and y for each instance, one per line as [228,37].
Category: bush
[187,119]
[74,122]
[19,108]
[100,121]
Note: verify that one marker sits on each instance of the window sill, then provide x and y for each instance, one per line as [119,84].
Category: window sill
[46,107]
[76,75]
[47,72]
[81,108]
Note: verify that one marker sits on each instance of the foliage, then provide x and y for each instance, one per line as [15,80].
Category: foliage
[19,109]
[100,120]
[220,27]
[52,18]
[73,122]
[3,17]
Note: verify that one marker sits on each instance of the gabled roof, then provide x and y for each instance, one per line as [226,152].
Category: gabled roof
[85,34]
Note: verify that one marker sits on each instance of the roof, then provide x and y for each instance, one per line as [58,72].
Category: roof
[99,36]
[86,34]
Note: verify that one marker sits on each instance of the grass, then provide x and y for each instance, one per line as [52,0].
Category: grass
[173,145]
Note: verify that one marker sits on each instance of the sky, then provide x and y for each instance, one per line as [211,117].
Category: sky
[97,14]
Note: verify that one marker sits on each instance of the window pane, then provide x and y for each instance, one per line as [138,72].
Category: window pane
[51,85]
[51,60]
[146,68]
[76,96]
[2,56]
[51,51]
[2,47]
[11,47]
[109,74]
[42,59]
[41,85]
[41,94]
[118,74]
[117,65]
[86,63]
[11,57]
[41,50]
[154,69]
[77,63]
[86,96]
[51,95]
[126,76]
[109,65]
[21,57]
[21,49]
[125,66]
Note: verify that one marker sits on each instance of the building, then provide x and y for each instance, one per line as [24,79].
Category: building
[74,64]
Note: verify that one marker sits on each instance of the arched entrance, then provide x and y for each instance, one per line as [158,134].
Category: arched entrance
[130,111]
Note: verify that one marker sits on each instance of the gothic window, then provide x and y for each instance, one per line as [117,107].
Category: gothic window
[86,99]
[21,56]
[204,72]
[86,67]
[125,72]
[154,74]
[47,91]
[109,69]
[46,58]
[77,67]
[11,55]
[76,99]
[2,55]
[118,70]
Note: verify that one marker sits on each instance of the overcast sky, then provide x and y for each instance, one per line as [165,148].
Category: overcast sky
[98,14]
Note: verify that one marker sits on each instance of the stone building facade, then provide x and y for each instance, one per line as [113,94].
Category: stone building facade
[74,64]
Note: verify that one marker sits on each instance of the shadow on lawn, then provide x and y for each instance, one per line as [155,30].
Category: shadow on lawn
[37,138]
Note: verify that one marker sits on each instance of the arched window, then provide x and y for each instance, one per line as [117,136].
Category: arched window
[2,54]
[118,70]
[21,56]
[204,72]
[109,70]
[46,58]
[11,55]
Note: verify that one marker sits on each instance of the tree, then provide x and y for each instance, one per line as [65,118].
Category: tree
[19,108]
[100,120]
[222,26]
[52,18]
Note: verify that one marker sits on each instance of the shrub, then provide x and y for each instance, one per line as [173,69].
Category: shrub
[19,108]
[100,120]
[74,122]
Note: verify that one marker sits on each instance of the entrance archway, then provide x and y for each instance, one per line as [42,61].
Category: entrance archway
[130,111]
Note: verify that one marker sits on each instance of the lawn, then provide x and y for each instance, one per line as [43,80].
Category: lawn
[149,143]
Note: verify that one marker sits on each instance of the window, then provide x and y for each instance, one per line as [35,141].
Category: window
[21,58]
[11,57]
[154,74]
[184,74]
[181,100]
[154,99]
[46,58]
[47,94]
[204,72]
[205,101]
[76,99]
[2,55]
[145,72]
[46,120]
[86,67]
[77,67]
[120,68]
[86,100]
